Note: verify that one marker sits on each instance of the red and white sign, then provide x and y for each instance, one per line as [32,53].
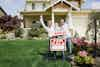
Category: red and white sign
[57,44]
[59,33]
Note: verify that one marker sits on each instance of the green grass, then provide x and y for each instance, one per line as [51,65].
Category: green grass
[26,53]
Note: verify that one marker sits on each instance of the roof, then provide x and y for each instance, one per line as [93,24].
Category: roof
[37,0]
[2,10]
[64,1]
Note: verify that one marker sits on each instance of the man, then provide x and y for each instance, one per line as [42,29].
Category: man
[64,27]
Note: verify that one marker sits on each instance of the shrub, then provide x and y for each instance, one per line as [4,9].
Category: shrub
[35,32]
[2,36]
[19,32]
[83,58]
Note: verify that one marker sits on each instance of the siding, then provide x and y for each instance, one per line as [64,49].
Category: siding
[80,24]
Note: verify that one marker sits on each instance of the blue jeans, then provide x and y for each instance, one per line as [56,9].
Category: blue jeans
[69,45]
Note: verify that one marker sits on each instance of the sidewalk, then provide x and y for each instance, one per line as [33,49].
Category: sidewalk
[97,61]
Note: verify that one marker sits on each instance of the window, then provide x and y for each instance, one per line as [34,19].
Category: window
[33,6]
[74,3]
[38,6]
[44,5]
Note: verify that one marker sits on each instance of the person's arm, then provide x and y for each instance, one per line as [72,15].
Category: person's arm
[67,19]
[70,23]
[42,22]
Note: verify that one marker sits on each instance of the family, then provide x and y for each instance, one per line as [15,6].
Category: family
[62,26]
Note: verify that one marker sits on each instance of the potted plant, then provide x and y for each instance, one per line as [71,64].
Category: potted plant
[83,59]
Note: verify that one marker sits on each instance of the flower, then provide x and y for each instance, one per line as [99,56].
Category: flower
[83,58]
[82,53]
[79,41]
[76,40]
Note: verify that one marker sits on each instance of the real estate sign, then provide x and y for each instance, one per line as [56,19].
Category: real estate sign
[58,44]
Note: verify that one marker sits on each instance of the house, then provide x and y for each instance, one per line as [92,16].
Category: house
[56,9]
[2,12]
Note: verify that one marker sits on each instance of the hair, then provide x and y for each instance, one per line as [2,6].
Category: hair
[49,20]
[63,19]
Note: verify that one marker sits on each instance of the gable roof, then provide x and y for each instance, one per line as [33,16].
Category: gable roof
[63,1]
[3,10]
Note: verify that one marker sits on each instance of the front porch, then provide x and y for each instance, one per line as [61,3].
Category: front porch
[56,12]
[29,20]
[79,19]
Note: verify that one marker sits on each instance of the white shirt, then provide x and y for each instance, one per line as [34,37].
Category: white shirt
[65,29]
[50,31]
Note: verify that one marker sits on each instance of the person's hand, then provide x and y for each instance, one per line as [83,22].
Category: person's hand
[70,9]
[41,16]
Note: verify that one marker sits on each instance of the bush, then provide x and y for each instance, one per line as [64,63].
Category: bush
[35,32]
[19,32]
[3,36]
[84,58]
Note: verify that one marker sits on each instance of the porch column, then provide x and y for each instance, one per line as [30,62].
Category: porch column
[53,17]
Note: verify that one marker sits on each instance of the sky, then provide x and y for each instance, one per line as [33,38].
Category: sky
[13,7]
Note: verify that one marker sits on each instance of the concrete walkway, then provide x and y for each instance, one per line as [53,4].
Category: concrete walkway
[97,61]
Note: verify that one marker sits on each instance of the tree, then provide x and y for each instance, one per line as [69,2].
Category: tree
[93,18]
[9,23]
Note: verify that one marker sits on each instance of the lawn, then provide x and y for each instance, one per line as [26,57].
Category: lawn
[27,53]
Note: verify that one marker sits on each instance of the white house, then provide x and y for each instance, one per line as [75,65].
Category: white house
[56,9]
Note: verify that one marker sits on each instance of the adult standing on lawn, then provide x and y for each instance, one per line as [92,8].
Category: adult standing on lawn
[63,27]
[50,28]
[66,26]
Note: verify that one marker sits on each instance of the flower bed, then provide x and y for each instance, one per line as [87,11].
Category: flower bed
[83,52]
[83,58]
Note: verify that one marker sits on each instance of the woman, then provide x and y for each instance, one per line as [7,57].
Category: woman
[50,29]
